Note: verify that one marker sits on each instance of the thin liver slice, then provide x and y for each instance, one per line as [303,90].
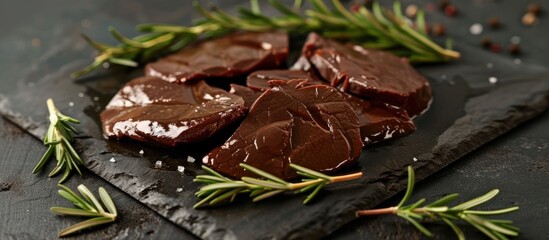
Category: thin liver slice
[149,109]
[312,126]
[369,73]
[228,56]
[378,121]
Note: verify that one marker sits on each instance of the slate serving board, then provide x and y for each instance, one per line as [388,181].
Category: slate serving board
[466,113]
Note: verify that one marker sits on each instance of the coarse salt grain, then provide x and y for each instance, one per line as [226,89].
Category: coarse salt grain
[489,65]
[493,80]
[71,104]
[190,159]
[179,189]
[112,160]
[80,94]
[180,168]
[476,29]
[515,40]
[158,164]
[517,61]
[141,152]
[415,159]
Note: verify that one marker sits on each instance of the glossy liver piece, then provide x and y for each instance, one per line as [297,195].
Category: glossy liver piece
[369,73]
[149,109]
[228,56]
[378,121]
[312,126]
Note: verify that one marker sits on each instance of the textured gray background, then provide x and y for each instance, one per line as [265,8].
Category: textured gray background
[517,163]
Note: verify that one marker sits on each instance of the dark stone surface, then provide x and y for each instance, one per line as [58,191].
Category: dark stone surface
[514,163]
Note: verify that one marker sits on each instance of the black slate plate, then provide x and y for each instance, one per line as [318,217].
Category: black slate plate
[460,120]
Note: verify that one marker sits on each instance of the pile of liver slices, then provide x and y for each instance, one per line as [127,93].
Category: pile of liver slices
[319,114]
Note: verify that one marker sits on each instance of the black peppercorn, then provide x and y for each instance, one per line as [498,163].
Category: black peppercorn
[514,49]
[486,42]
[494,22]
[534,8]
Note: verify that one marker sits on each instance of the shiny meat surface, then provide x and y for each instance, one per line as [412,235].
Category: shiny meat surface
[259,80]
[312,126]
[369,73]
[378,121]
[228,56]
[149,109]
[249,95]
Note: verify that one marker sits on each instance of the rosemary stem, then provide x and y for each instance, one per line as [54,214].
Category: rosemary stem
[294,186]
[347,177]
[381,211]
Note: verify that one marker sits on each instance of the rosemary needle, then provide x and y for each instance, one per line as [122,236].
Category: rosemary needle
[87,206]
[437,211]
[58,139]
[379,28]
[219,188]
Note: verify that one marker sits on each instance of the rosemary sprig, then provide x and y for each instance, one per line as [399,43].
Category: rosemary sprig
[437,211]
[220,188]
[377,28]
[88,206]
[58,139]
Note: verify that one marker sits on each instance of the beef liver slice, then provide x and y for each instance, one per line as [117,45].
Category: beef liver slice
[369,73]
[228,56]
[312,126]
[378,121]
[152,110]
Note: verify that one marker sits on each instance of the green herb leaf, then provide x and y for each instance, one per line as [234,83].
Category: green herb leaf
[492,228]
[58,139]
[88,207]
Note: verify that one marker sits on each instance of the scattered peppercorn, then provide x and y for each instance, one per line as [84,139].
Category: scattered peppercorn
[450,10]
[443,4]
[439,29]
[495,47]
[494,22]
[534,8]
[486,42]
[411,10]
[514,49]
[529,19]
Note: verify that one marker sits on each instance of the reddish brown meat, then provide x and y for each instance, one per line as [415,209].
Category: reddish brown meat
[378,121]
[312,126]
[369,73]
[152,110]
[232,55]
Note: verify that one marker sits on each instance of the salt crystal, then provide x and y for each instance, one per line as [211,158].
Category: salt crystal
[517,61]
[71,104]
[190,159]
[415,159]
[515,40]
[476,29]
[158,164]
[112,160]
[180,169]
[96,99]
[81,94]
[106,65]
[493,80]
[141,152]
[489,65]
[179,189]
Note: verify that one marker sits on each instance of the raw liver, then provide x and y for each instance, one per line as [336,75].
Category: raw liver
[369,73]
[378,121]
[312,126]
[228,56]
[149,109]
